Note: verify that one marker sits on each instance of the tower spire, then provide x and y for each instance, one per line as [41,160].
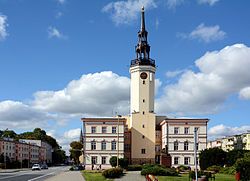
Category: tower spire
[142,48]
[142,19]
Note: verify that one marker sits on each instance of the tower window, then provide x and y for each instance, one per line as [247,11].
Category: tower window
[143,151]
[143,136]
[143,82]
[143,112]
[143,100]
[143,126]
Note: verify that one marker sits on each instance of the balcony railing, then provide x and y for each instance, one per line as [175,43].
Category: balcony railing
[142,61]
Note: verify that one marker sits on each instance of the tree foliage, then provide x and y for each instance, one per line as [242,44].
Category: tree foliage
[76,150]
[233,155]
[242,165]
[212,156]
[122,162]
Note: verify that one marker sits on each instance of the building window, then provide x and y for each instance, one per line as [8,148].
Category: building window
[143,112]
[103,145]
[143,81]
[93,129]
[196,129]
[93,145]
[113,145]
[157,148]
[176,160]
[143,151]
[143,126]
[186,160]
[143,136]
[186,130]
[197,146]
[113,129]
[94,160]
[143,100]
[104,160]
[176,145]
[176,130]
[104,129]
[186,145]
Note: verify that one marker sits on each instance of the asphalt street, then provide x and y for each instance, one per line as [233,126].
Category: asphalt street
[30,175]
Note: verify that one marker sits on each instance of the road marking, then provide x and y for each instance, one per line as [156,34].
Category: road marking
[16,175]
[41,176]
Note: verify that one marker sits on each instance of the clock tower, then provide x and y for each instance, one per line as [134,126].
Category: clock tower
[142,71]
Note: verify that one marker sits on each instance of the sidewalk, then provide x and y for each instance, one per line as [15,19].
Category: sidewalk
[13,170]
[132,176]
[67,175]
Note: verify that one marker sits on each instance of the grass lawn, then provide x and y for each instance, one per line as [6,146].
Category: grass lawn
[94,176]
[218,177]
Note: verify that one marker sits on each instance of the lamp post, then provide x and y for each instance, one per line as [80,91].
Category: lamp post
[195,153]
[117,161]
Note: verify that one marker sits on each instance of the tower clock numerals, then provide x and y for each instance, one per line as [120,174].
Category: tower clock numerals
[144,75]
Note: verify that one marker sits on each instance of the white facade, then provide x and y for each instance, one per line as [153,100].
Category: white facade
[178,137]
[101,141]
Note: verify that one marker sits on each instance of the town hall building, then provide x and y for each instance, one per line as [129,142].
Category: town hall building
[142,137]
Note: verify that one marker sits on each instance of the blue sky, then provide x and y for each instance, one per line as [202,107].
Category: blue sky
[65,59]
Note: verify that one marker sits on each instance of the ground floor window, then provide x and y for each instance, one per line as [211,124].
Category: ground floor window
[94,160]
[176,160]
[104,159]
[186,160]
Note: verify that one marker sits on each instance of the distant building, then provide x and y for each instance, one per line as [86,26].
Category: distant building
[229,143]
[142,134]
[20,151]
[47,147]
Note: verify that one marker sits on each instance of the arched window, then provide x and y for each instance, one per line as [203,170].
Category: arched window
[186,145]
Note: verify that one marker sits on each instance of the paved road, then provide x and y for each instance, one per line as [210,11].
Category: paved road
[30,175]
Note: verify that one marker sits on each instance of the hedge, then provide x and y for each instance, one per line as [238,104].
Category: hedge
[112,173]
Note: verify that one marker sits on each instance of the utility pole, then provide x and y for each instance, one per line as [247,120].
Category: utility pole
[195,153]
[117,161]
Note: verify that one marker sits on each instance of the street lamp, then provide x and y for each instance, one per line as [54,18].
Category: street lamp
[117,161]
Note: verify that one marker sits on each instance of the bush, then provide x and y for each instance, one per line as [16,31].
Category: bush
[183,168]
[228,170]
[112,173]
[134,168]
[123,162]
[157,170]
[113,161]
[214,168]
[242,165]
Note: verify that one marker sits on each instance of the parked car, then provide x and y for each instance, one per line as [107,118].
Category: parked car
[36,167]
[44,166]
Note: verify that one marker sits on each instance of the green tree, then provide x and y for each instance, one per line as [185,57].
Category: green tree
[212,156]
[113,161]
[242,165]
[233,155]
[9,134]
[58,156]
[75,151]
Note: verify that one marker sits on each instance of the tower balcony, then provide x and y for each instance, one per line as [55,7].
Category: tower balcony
[142,61]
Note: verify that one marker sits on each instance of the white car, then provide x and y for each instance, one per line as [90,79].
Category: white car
[36,167]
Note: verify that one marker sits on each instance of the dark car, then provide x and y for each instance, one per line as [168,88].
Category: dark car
[44,166]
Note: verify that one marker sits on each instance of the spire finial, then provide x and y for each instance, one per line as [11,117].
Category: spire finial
[142,19]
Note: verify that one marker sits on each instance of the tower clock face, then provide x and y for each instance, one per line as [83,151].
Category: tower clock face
[144,75]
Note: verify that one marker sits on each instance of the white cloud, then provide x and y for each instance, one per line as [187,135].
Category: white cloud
[19,115]
[3,26]
[210,2]
[205,33]
[73,133]
[55,33]
[124,12]
[61,1]
[172,74]
[222,131]
[93,94]
[172,4]
[245,93]
[221,74]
